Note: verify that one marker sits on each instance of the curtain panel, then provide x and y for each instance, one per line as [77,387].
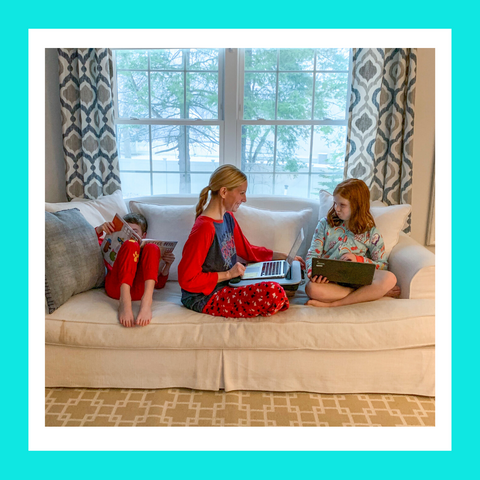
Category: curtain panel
[88,129]
[381,122]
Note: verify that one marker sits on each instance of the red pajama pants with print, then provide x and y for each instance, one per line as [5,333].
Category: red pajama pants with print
[134,267]
[261,299]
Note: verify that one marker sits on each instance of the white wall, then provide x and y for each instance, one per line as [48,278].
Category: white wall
[423,149]
[54,163]
[424,142]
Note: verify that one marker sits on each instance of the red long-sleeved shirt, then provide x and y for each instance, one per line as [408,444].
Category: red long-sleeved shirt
[212,247]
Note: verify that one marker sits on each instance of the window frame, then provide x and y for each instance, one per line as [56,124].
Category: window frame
[178,121]
[312,123]
[231,75]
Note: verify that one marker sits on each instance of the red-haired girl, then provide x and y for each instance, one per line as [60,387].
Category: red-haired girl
[348,233]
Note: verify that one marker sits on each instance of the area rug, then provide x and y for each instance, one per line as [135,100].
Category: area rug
[177,407]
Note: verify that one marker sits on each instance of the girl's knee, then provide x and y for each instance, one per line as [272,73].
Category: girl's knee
[151,247]
[129,246]
[386,278]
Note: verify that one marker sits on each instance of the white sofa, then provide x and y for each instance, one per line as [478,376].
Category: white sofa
[386,346]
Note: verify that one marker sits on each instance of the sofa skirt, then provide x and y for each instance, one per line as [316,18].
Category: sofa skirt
[408,371]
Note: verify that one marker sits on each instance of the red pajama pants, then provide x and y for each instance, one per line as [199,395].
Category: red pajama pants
[264,299]
[134,267]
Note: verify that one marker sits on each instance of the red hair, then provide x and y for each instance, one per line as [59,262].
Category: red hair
[358,194]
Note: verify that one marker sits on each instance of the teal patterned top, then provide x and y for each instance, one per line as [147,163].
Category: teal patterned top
[333,242]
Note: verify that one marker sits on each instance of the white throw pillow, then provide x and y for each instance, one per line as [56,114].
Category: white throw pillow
[389,220]
[274,230]
[168,222]
[96,211]
[108,205]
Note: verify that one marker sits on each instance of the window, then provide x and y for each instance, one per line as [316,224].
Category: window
[168,120]
[177,119]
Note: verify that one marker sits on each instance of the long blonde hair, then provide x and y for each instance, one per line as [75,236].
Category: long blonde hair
[227,176]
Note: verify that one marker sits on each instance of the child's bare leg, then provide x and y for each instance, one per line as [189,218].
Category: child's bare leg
[125,313]
[383,281]
[325,292]
[395,292]
[145,314]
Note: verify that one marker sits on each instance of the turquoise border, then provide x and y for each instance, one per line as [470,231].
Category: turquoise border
[17,19]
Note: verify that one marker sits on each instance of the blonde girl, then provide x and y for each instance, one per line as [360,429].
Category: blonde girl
[209,258]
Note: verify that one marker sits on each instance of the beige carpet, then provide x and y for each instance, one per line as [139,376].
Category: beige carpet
[68,407]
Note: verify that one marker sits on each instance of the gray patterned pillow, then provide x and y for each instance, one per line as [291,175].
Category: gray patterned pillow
[73,260]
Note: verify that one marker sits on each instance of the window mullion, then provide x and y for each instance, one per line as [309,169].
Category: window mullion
[231,139]
[312,128]
[151,158]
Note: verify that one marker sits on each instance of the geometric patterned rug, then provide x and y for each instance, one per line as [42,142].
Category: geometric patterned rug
[181,407]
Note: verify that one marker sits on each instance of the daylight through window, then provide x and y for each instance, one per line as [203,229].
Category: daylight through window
[290,123]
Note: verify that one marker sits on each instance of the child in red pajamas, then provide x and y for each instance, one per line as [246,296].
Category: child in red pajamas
[135,273]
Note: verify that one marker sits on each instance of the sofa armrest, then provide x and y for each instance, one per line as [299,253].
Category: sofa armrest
[414,267]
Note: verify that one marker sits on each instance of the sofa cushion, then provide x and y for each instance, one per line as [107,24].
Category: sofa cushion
[274,230]
[168,222]
[73,260]
[96,211]
[90,320]
[389,220]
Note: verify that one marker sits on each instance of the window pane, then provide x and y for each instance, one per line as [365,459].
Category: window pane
[295,92]
[259,99]
[135,184]
[203,59]
[165,147]
[292,185]
[257,148]
[333,58]
[293,148]
[204,142]
[328,156]
[331,96]
[202,95]
[133,147]
[132,59]
[261,59]
[327,180]
[132,94]
[199,181]
[167,95]
[166,59]
[259,184]
[164,183]
[296,59]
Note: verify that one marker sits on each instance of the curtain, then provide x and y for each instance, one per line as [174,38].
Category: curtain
[88,130]
[381,121]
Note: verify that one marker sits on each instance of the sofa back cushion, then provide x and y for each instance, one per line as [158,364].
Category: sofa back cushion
[274,230]
[267,203]
[73,260]
[168,222]
[96,211]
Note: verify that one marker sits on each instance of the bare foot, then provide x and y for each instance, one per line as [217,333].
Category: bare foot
[125,314]
[145,314]
[394,292]
[316,303]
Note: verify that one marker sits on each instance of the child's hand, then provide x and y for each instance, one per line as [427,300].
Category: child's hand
[319,279]
[106,227]
[168,258]
[237,270]
[302,262]
[348,257]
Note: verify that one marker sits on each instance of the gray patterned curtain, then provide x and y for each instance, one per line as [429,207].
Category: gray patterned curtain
[380,124]
[88,130]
